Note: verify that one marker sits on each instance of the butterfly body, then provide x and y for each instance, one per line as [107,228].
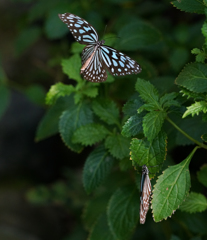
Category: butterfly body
[145,194]
[96,57]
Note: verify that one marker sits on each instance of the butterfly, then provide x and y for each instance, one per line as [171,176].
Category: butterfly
[145,194]
[96,57]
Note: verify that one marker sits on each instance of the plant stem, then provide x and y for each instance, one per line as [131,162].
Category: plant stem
[185,134]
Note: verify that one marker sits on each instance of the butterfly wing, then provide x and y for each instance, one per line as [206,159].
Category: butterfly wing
[146,190]
[94,70]
[87,52]
[117,63]
[146,193]
[82,31]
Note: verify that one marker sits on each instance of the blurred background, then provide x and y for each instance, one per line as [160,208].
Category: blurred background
[35,176]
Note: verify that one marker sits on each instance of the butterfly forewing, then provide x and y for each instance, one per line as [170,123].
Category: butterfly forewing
[117,63]
[82,31]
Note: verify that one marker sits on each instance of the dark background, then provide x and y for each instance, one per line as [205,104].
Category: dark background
[32,42]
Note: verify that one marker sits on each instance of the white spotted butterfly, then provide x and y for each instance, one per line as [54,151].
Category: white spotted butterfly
[95,56]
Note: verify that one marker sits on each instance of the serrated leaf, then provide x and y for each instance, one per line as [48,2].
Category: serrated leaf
[196,108]
[72,66]
[90,91]
[97,166]
[171,189]
[190,94]
[107,111]
[195,202]
[139,34]
[151,154]
[194,127]
[147,92]
[152,123]
[73,118]
[4,99]
[195,51]
[167,100]
[101,230]
[132,105]
[89,134]
[94,208]
[201,58]
[193,77]
[48,125]
[132,126]
[118,146]
[191,6]
[123,212]
[58,90]
[204,29]
[148,107]
[76,47]
[202,175]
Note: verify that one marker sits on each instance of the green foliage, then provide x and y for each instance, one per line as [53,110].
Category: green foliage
[123,212]
[195,108]
[96,168]
[202,175]
[193,77]
[171,189]
[119,130]
[195,202]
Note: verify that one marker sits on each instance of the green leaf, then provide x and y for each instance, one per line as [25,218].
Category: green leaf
[90,134]
[118,146]
[101,230]
[137,35]
[97,166]
[48,125]
[133,126]
[193,77]
[204,29]
[58,90]
[90,91]
[171,189]
[202,175]
[167,100]
[148,107]
[194,127]
[123,212]
[4,99]
[76,47]
[148,153]
[195,202]
[132,105]
[73,118]
[72,66]
[152,123]
[204,137]
[190,94]
[195,108]
[94,208]
[192,6]
[147,92]
[125,164]
[106,110]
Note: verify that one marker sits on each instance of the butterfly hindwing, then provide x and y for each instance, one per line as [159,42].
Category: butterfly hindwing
[95,71]
[82,31]
[117,63]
